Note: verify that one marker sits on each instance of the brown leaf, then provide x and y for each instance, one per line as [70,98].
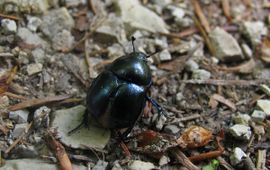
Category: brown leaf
[194,137]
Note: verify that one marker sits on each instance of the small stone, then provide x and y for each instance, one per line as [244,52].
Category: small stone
[25,151]
[38,55]
[162,43]
[41,117]
[254,30]
[240,131]
[165,55]
[164,160]
[19,116]
[160,121]
[137,16]
[56,21]
[191,65]
[237,156]
[4,103]
[226,47]
[259,130]
[115,51]
[111,31]
[258,115]
[117,166]
[33,23]
[265,89]
[179,96]
[241,119]
[34,68]
[264,105]
[140,165]
[101,165]
[8,25]
[171,129]
[176,12]
[201,74]
[247,51]
[19,129]
[62,40]
[31,38]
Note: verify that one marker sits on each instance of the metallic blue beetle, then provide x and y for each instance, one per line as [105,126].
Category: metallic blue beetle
[117,97]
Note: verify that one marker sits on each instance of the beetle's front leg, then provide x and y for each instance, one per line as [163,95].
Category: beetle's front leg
[85,122]
[155,104]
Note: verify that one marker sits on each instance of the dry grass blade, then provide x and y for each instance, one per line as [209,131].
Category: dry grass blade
[201,16]
[228,82]
[9,17]
[60,152]
[37,102]
[226,9]
[227,102]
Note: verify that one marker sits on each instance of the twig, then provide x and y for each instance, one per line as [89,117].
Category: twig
[187,118]
[184,33]
[19,138]
[37,102]
[227,102]
[224,163]
[199,13]
[87,58]
[125,149]
[227,82]
[9,17]
[15,96]
[261,159]
[226,9]
[181,157]
[3,129]
[60,152]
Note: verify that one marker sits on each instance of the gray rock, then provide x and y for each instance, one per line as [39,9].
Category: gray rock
[160,121]
[226,47]
[62,40]
[176,12]
[67,119]
[111,31]
[56,21]
[241,119]
[19,129]
[22,164]
[171,129]
[41,117]
[137,16]
[265,89]
[4,103]
[140,165]
[237,156]
[201,74]
[162,43]
[264,105]
[240,131]
[8,25]
[179,96]
[31,38]
[162,3]
[164,160]
[191,65]
[254,30]
[258,115]
[25,151]
[115,51]
[38,55]
[34,68]
[24,6]
[101,165]
[33,23]
[74,3]
[247,51]
[165,55]
[19,116]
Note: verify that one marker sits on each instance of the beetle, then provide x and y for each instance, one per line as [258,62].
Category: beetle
[117,97]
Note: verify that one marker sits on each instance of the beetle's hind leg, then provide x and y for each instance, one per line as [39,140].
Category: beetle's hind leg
[85,123]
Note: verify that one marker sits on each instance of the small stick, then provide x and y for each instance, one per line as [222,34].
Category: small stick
[15,96]
[60,152]
[3,129]
[9,17]
[37,102]
[227,82]
[261,159]
[226,9]
[19,138]
[199,13]
[181,157]
[187,118]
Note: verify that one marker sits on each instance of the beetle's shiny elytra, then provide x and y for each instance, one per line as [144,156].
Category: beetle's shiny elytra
[117,96]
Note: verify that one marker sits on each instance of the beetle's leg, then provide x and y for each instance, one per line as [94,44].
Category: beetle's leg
[85,123]
[155,104]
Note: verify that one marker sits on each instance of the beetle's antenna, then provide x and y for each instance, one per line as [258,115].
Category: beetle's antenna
[153,53]
[132,41]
